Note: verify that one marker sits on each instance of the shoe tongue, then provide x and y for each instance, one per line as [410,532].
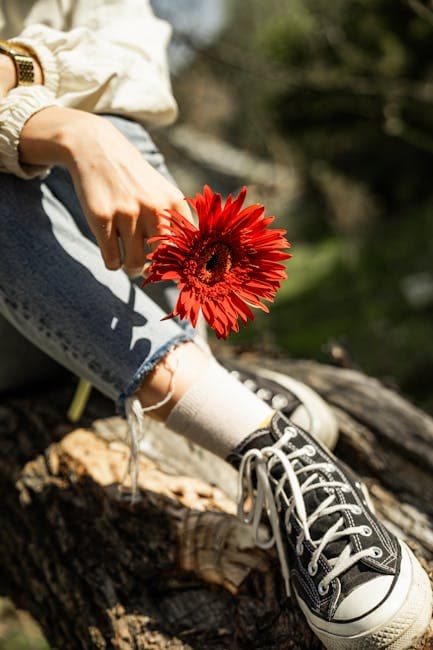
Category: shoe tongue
[313,500]
[318,529]
[257,440]
[355,575]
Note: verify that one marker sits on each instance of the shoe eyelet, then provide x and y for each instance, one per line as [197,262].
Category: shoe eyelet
[279,402]
[366,531]
[345,488]
[264,394]
[309,450]
[376,552]
[290,432]
[235,374]
[322,589]
[250,384]
[356,510]
[312,569]
[299,549]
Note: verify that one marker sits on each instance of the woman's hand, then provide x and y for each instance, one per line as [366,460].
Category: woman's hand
[121,195]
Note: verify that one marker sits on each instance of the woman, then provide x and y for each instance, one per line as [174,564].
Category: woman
[82,187]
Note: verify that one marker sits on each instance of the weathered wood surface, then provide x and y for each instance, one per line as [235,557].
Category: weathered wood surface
[176,569]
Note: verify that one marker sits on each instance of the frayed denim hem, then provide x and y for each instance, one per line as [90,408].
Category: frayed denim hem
[147,366]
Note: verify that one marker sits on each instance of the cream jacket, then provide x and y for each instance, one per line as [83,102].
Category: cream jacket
[98,56]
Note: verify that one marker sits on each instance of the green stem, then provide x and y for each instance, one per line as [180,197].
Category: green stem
[79,401]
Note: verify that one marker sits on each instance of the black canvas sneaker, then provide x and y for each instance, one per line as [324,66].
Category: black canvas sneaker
[360,587]
[293,398]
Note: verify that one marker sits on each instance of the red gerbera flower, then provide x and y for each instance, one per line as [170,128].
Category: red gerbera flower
[227,264]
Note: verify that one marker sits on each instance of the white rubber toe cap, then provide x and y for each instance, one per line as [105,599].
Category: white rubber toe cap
[363,598]
[397,624]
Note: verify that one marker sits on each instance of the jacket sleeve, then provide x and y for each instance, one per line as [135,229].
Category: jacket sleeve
[112,60]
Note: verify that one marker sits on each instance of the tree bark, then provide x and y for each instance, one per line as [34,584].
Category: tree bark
[176,569]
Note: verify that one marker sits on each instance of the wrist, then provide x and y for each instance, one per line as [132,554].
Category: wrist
[54,135]
[27,68]
[74,128]
[8,77]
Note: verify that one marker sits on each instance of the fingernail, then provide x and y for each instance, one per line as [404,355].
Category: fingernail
[113,265]
[133,273]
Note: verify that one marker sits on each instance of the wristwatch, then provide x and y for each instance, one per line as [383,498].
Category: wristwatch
[23,62]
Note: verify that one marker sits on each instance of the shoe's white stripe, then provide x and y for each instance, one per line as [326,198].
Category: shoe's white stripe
[377,618]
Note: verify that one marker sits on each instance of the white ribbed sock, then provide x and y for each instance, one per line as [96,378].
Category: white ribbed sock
[218,412]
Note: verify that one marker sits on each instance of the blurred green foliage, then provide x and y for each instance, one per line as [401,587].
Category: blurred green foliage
[359,91]
[365,299]
[344,91]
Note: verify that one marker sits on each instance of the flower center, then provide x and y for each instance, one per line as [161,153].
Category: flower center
[214,263]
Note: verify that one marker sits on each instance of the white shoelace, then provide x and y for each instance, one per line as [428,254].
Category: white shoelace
[269,493]
[135,416]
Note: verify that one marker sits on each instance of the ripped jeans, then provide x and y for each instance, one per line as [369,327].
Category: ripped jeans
[55,289]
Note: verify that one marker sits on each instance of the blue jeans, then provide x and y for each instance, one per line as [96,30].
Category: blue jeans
[55,289]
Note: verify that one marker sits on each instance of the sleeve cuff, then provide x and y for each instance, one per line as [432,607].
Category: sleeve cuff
[47,60]
[15,109]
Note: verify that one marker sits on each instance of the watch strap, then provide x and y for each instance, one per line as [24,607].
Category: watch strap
[23,62]
[25,70]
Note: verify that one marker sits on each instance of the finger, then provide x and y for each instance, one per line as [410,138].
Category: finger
[134,254]
[146,270]
[110,251]
[157,228]
[183,208]
[161,226]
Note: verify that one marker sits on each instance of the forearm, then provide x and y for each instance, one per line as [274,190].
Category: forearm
[46,138]
[120,193]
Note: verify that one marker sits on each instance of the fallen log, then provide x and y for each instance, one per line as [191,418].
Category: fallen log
[176,569]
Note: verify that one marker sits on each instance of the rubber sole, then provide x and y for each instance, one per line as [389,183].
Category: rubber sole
[402,631]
